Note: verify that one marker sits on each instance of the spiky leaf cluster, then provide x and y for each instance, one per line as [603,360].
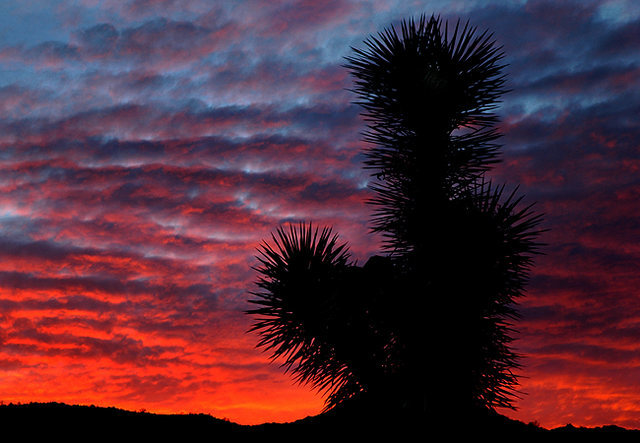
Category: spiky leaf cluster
[315,311]
[298,272]
[427,95]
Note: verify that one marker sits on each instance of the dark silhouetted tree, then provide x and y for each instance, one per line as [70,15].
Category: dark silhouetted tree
[319,311]
[426,328]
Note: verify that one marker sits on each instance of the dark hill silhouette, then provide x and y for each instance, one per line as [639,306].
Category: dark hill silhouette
[90,423]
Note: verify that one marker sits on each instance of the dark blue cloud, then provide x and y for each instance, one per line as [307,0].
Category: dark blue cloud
[99,39]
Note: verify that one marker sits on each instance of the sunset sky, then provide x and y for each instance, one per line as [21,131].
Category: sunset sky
[147,146]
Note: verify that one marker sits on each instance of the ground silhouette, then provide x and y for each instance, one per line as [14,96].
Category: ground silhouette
[88,423]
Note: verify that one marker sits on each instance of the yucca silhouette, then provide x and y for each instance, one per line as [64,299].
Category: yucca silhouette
[318,311]
[426,328]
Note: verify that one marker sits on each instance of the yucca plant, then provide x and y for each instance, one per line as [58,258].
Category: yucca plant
[429,326]
[428,94]
[315,311]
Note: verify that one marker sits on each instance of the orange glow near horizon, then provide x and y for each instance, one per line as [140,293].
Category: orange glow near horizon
[95,349]
[189,378]
[277,402]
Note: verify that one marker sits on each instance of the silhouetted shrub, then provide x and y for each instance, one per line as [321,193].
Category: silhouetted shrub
[427,327]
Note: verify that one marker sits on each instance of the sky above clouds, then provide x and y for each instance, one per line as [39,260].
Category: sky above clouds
[147,146]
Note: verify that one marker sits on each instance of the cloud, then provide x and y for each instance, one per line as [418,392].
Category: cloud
[99,39]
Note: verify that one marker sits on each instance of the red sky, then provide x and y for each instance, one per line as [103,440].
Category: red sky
[147,146]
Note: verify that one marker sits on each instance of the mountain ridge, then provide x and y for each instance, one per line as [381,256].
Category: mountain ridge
[80,420]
